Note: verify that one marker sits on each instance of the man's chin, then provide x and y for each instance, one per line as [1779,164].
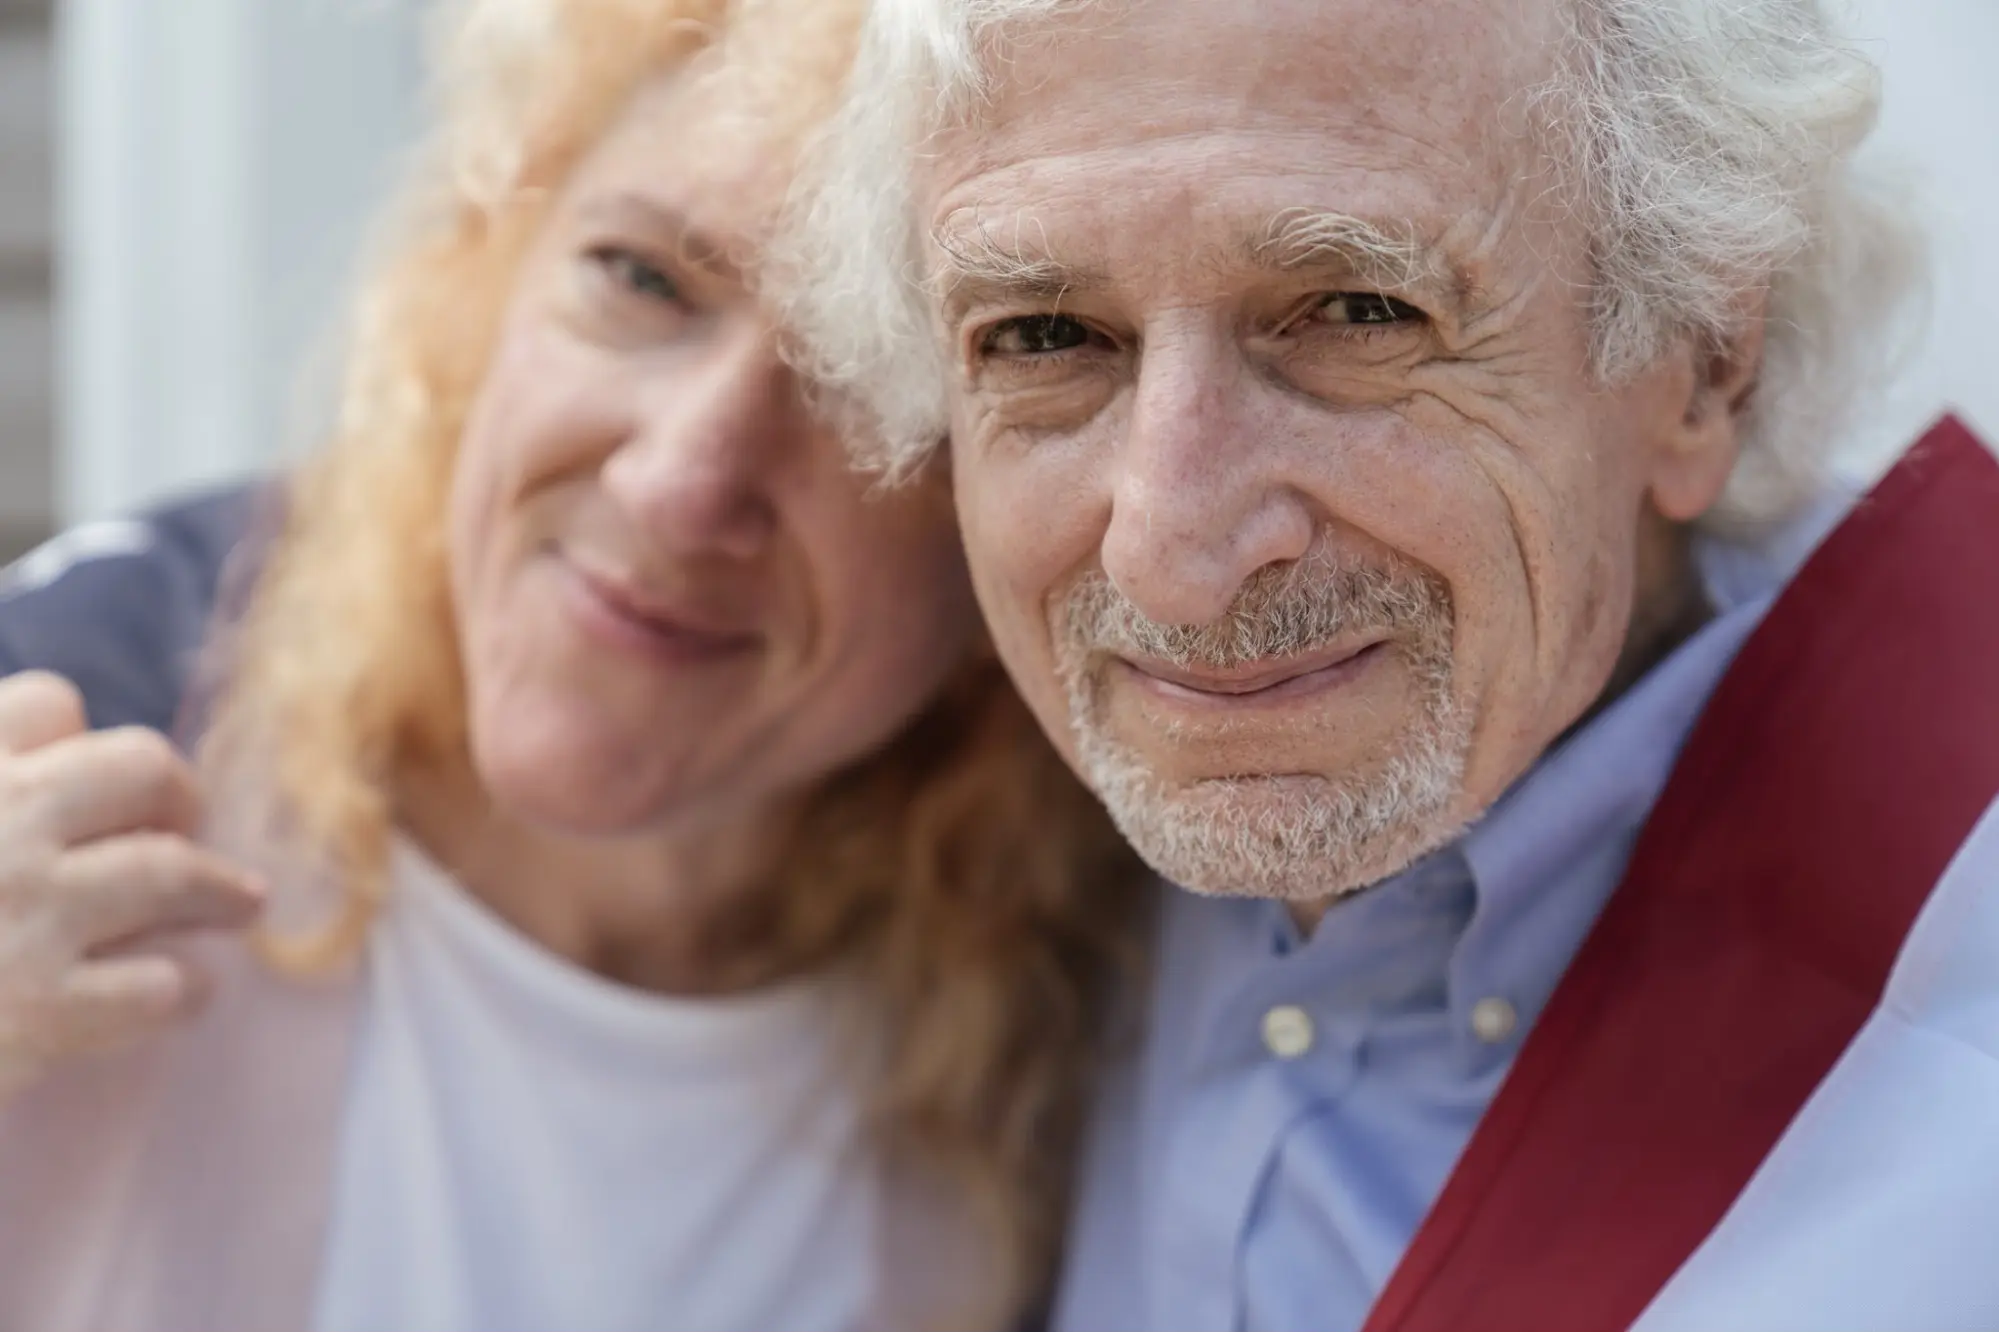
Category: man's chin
[1299,838]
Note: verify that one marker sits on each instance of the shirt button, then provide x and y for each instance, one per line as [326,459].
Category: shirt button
[1493,1019]
[1287,1031]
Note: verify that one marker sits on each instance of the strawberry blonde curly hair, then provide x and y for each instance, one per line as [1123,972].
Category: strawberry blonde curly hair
[962,875]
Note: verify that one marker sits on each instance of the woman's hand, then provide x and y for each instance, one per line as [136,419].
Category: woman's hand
[97,865]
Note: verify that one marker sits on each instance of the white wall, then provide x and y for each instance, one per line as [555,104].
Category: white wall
[217,161]
[1941,63]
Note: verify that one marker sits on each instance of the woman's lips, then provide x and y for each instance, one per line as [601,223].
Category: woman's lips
[615,610]
[1257,682]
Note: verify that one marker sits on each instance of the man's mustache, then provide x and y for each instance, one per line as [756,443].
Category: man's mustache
[1280,611]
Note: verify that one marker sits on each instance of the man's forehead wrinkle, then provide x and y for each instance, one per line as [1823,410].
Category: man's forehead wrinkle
[1380,88]
[1422,205]
[1421,49]
[1430,180]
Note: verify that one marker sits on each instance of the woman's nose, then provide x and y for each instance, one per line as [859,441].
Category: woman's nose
[698,473]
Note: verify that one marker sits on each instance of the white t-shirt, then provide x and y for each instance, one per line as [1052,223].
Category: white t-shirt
[527,1145]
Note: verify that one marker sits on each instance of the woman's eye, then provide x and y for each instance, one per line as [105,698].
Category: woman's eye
[1363,308]
[1035,335]
[636,275]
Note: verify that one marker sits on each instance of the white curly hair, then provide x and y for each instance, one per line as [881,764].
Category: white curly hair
[1710,143]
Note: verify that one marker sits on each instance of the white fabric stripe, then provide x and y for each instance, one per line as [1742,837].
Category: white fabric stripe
[1879,1206]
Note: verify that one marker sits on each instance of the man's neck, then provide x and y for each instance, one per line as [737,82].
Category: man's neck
[1671,607]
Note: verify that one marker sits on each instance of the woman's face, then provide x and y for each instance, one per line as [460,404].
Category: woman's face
[674,599]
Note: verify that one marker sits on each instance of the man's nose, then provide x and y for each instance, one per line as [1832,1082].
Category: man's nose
[697,474]
[1200,500]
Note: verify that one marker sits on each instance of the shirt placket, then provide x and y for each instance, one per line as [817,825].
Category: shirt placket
[1270,1058]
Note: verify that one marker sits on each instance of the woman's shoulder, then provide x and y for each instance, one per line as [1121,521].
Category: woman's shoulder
[122,607]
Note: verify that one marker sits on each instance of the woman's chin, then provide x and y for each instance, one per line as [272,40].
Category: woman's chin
[577,789]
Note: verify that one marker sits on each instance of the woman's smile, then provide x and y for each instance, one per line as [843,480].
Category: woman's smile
[619,613]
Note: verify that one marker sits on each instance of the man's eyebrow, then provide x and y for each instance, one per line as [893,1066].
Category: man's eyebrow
[978,266]
[1389,254]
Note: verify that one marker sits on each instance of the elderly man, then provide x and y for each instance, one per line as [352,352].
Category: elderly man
[1388,438]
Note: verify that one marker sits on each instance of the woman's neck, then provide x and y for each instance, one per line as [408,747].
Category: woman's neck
[666,911]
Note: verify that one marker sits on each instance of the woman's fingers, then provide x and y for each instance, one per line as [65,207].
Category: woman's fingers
[108,1003]
[108,892]
[95,1008]
[37,708]
[97,863]
[101,783]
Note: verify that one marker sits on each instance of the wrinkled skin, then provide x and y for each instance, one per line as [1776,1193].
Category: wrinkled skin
[1157,382]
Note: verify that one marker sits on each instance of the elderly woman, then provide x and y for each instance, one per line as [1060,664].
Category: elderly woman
[616,886]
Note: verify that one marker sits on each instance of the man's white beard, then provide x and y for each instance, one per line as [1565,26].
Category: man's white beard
[1294,837]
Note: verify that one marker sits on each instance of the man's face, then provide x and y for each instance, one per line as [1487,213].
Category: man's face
[1288,492]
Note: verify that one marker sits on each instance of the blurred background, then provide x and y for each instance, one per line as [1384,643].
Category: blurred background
[184,185]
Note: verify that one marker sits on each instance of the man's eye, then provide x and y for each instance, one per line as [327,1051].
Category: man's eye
[636,275]
[1363,308]
[1035,335]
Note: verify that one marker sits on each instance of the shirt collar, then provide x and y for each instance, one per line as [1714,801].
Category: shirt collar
[1548,855]
[1511,900]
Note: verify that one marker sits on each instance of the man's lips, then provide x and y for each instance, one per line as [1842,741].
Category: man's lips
[1267,679]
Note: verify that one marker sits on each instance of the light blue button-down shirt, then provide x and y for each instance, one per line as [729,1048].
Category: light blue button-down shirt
[1235,1181]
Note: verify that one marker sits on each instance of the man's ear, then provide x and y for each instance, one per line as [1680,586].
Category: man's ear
[1697,453]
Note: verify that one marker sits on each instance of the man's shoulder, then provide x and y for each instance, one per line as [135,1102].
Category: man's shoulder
[121,606]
